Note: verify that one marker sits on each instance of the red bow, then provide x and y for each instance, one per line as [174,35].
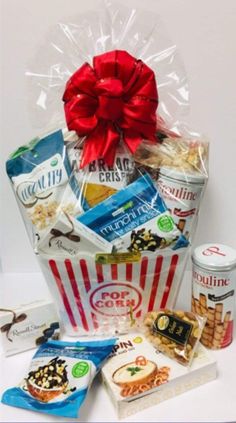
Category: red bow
[117,97]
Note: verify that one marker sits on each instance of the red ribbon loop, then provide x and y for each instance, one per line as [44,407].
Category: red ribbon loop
[117,96]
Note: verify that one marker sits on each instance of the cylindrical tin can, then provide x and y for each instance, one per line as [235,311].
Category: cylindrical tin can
[213,292]
[182,194]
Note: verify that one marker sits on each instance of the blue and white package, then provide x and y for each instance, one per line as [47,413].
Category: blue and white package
[59,377]
[43,182]
[135,219]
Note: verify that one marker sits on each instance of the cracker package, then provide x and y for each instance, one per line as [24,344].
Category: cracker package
[111,198]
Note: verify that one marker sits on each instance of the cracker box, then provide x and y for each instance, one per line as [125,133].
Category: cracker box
[137,376]
[28,326]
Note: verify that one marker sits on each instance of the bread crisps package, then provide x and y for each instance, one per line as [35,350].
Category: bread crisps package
[59,377]
[111,200]
[98,180]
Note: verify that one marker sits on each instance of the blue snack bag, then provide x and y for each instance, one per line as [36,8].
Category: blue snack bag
[135,219]
[59,377]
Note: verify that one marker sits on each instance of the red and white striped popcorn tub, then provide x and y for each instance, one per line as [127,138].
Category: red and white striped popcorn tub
[97,299]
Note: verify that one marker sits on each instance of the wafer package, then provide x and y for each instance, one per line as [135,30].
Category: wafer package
[111,198]
[59,377]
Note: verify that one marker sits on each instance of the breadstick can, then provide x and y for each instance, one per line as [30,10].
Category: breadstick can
[213,292]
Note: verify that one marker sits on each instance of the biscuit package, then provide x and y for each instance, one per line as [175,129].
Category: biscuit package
[110,195]
[59,377]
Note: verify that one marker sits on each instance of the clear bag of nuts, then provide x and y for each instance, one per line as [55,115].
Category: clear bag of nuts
[175,333]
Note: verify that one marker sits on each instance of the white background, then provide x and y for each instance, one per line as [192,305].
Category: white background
[204,32]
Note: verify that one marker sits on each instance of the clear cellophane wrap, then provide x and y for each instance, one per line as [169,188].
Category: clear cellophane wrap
[104,278]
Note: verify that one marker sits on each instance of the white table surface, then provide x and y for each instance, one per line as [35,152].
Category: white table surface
[212,402]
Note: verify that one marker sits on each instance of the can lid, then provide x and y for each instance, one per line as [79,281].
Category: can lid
[214,256]
[192,178]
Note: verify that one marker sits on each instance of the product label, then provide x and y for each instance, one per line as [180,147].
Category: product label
[43,179]
[172,328]
[118,258]
[98,172]
[182,199]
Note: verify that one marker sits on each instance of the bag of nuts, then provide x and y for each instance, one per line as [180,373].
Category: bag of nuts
[175,333]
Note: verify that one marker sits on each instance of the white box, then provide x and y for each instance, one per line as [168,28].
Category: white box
[27,326]
[132,352]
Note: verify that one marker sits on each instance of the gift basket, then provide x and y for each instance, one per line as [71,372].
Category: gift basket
[110,192]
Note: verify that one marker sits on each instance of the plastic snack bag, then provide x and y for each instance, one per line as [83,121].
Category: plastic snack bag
[125,94]
[175,333]
[135,219]
[59,377]
[42,179]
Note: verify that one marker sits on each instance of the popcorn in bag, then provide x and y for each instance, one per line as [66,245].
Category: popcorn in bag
[110,204]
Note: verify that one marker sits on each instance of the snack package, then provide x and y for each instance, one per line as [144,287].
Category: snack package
[112,237]
[137,376]
[98,180]
[134,219]
[43,183]
[59,377]
[175,333]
